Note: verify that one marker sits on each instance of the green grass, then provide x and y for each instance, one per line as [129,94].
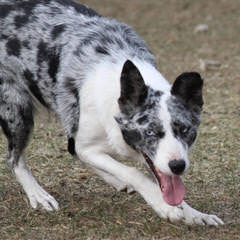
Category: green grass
[92,210]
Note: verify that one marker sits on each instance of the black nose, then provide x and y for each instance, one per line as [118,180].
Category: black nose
[177,166]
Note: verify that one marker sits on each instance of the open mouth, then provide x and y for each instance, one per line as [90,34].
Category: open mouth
[172,187]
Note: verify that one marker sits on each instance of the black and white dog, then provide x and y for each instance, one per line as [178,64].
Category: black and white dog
[102,81]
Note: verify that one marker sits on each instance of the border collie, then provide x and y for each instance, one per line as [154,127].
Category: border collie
[99,77]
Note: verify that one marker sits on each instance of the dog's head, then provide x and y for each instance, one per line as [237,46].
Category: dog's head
[162,126]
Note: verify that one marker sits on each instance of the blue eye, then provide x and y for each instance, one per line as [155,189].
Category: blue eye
[149,133]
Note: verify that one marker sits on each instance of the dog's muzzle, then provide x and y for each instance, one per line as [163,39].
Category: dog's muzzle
[172,187]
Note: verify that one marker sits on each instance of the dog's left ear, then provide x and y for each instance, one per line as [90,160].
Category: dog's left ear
[188,87]
[133,89]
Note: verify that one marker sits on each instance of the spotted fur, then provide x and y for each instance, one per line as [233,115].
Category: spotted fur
[100,79]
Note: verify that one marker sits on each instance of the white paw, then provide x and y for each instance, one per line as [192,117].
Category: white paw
[205,219]
[173,214]
[192,216]
[185,214]
[37,195]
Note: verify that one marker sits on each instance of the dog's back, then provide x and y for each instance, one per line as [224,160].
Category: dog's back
[32,37]
[49,46]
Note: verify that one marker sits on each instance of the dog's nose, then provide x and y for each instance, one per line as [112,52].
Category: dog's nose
[177,166]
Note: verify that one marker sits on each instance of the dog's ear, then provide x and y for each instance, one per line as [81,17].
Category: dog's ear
[188,87]
[133,89]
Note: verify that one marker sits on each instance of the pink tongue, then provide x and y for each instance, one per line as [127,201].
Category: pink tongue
[173,189]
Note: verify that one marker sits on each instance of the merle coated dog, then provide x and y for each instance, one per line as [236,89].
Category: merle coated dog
[101,80]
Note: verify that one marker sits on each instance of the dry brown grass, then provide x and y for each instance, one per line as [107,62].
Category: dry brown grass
[92,210]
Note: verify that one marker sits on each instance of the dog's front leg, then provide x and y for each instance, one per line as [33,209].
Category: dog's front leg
[133,178]
[113,181]
[149,190]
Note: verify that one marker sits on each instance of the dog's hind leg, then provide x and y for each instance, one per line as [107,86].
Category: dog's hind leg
[16,119]
[36,194]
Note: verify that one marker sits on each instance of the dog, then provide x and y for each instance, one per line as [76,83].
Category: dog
[101,80]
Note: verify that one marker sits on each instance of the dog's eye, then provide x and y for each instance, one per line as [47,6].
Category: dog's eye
[149,133]
[184,129]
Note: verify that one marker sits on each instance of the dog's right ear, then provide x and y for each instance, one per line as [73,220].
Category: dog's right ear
[133,89]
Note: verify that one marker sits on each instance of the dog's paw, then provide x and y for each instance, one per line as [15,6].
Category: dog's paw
[37,195]
[187,215]
[205,219]
[170,213]
[192,216]
[173,214]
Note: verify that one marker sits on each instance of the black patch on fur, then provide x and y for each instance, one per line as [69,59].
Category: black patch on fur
[20,20]
[26,114]
[70,86]
[57,30]
[33,87]
[3,36]
[158,94]
[42,54]
[143,120]
[5,127]
[185,133]
[80,8]
[27,7]
[71,146]
[161,134]
[50,56]
[5,10]
[13,47]
[132,137]
[54,60]
[26,44]
[102,50]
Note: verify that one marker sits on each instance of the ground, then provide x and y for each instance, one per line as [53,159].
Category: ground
[92,210]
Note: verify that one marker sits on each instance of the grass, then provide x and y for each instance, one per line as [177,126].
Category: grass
[92,210]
